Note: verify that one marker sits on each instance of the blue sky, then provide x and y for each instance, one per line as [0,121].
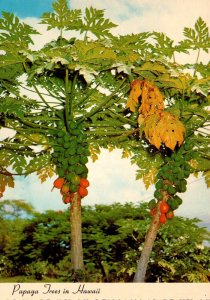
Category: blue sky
[116,183]
[26,8]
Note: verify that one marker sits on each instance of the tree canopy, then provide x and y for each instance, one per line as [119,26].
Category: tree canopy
[88,77]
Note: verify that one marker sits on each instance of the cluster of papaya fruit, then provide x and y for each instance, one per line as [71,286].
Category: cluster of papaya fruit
[65,188]
[171,180]
[70,155]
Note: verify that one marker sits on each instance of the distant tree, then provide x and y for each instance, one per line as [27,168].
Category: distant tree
[14,216]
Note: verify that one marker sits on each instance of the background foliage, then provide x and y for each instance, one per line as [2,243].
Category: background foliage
[37,247]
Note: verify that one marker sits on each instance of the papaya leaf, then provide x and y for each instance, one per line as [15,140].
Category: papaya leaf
[148,166]
[131,42]
[126,153]
[95,22]
[179,82]
[159,126]
[171,130]
[151,99]
[10,106]
[198,37]
[164,45]
[207,178]
[62,17]
[152,66]
[12,63]
[37,163]
[18,163]
[134,95]
[14,32]
[164,128]
[149,178]
[92,54]
[46,172]
[6,181]
[12,158]
[94,152]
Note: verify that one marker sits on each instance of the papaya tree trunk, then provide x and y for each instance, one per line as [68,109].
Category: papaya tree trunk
[76,233]
[147,249]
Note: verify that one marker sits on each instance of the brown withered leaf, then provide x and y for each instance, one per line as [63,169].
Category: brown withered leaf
[171,130]
[149,128]
[6,181]
[151,99]
[160,127]
[163,128]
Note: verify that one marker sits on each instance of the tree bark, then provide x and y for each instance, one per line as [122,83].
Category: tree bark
[76,233]
[147,249]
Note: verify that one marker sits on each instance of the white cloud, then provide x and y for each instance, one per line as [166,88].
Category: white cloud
[170,17]
[143,15]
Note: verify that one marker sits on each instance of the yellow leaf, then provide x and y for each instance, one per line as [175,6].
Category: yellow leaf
[151,99]
[164,128]
[94,151]
[37,138]
[150,130]
[126,153]
[195,165]
[110,148]
[150,177]
[207,178]
[44,173]
[159,126]
[171,130]
[140,120]
[134,95]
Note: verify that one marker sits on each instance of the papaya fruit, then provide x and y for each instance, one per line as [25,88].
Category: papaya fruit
[84,182]
[83,160]
[59,182]
[82,191]
[151,204]
[159,184]
[171,190]
[73,188]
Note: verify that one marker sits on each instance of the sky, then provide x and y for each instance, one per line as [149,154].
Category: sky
[112,179]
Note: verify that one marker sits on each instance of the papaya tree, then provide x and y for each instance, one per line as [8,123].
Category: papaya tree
[69,99]
[61,101]
[173,119]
